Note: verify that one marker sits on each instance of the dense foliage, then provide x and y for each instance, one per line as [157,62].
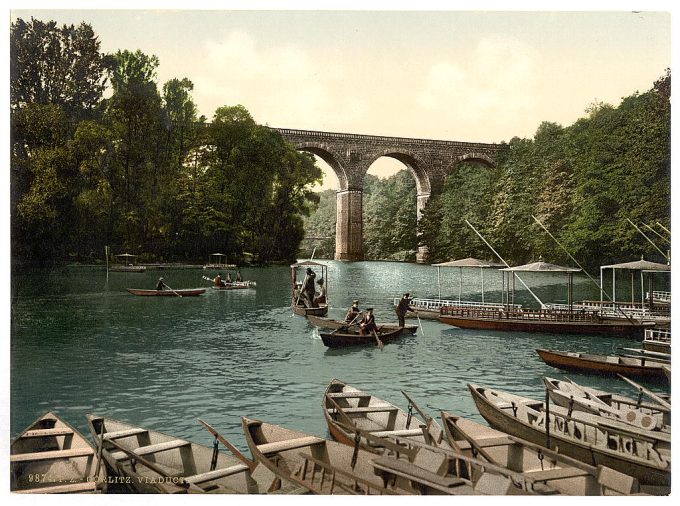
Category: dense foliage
[583,182]
[138,170]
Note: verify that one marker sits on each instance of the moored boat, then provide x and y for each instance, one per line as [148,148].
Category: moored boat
[149,461]
[658,341]
[329,323]
[343,338]
[607,365]
[597,441]
[50,456]
[567,475]
[571,395]
[185,292]
[319,465]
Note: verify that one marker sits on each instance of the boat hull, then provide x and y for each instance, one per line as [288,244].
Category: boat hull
[192,292]
[576,362]
[328,323]
[590,454]
[322,310]
[558,327]
[339,340]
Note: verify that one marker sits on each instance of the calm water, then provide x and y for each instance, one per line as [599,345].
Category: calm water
[81,344]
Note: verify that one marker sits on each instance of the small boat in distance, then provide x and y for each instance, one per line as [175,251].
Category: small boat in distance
[51,457]
[606,365]
[300,305]
[183,292]
[329,323]
[657,340]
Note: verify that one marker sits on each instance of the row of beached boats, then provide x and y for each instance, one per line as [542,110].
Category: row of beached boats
[579,442]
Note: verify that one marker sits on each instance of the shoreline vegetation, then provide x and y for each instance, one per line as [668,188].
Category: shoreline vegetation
[103,155]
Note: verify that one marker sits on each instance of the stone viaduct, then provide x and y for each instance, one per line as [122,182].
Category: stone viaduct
[351,155]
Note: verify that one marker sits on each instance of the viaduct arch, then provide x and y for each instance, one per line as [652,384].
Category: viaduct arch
[351,155]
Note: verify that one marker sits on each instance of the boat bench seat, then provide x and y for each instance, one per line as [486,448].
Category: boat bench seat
[411,471]
[289,444]
[349,395]
[151,449]
[397,433]
[52,455]
[556,474]
[86,486]
[367,409]
[486,442]
[56,431]
[119,434]
[215,474]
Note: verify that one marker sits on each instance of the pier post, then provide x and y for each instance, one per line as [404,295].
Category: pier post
[348,225]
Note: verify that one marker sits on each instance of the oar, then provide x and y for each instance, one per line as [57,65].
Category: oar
[422,332]
[422,413]
[173,291]
[380,343]
[251,464]
[649,393]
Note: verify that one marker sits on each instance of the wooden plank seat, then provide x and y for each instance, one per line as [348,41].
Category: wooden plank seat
[151,449]
[108,436]
[216,474]
[289,444]
[556,474]
[366,409]
[349,395]
[397,433]
[486,443]
[86,486]
[56,431]
[410,471]
[52,455]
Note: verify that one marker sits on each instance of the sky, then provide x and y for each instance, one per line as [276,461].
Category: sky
[477,76]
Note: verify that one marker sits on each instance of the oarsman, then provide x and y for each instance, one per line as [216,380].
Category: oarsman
[308,289]
[367,324]
[161,285]
[217,281]
[353,312]
[403,307]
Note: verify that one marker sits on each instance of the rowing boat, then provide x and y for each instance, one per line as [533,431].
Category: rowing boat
[319,465]
[329,323]
[596,440]
[186,292]
[608,365]
[538,464]
[148,461]
[50,456]
[235,285]
[348,410]
[590,400]
[343,338]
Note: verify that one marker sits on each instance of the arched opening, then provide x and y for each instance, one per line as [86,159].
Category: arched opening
[390,209]
[320,224]
[467,194]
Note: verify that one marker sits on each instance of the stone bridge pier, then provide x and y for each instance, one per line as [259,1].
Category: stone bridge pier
[351,155]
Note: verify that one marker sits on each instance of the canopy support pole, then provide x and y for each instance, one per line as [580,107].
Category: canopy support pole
[481,269]
[460,284]
[614,286]
[439,283]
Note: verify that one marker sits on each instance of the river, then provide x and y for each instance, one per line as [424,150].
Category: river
[81,344]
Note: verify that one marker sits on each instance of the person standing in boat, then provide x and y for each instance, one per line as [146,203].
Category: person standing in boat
[228,277]
[239,279]
[367,324]
[321,299]
[403,307]
[308,289]
[161,285]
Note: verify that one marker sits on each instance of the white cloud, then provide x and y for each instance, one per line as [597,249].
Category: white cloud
[493,86]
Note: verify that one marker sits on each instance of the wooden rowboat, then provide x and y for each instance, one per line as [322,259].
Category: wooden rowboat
[50,456]
[329,323]
[597,440]
[319,465]
[572,396]
[148,461]
[608,365]
[301,310]
[235,285]
[539,465]
[186,292]
[345,338]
